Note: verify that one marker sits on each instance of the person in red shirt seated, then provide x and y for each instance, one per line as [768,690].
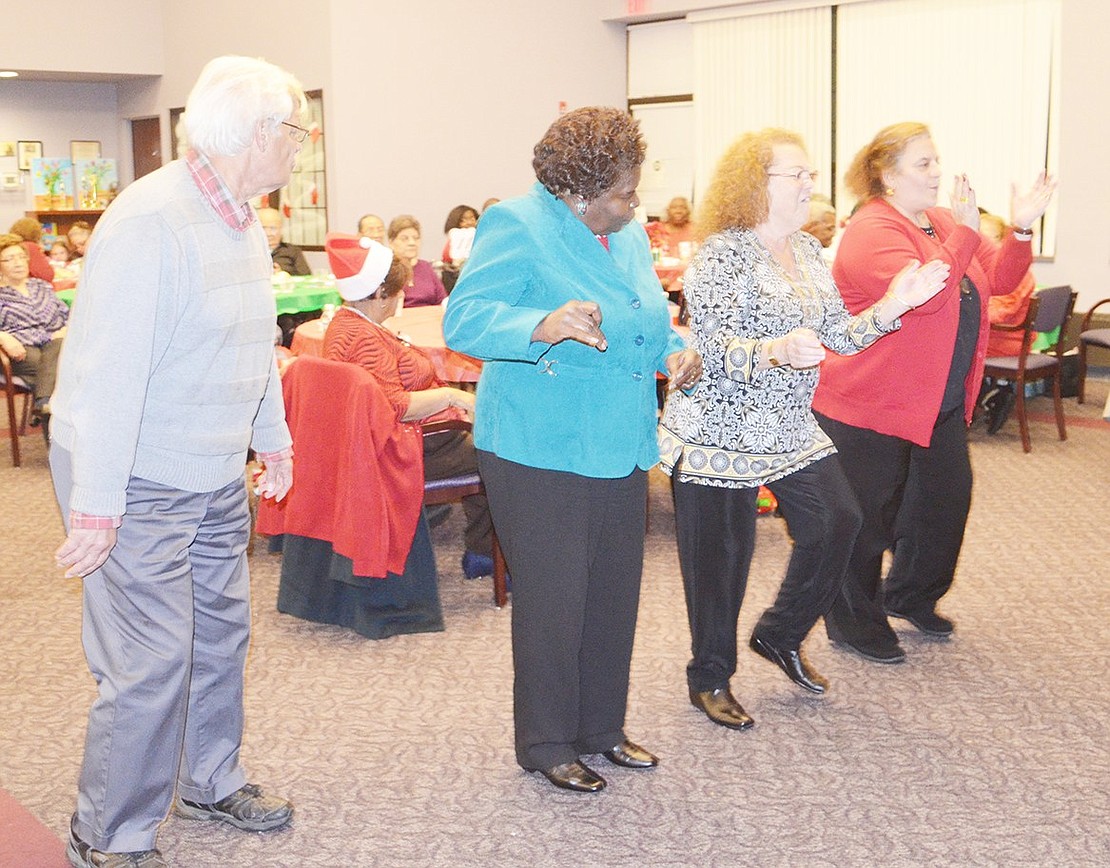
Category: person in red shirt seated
[372,282]
[997,396]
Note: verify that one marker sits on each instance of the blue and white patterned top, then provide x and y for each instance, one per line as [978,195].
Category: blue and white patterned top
[742,427]
[32,320]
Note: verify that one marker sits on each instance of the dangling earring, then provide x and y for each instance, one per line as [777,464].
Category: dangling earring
[580,207]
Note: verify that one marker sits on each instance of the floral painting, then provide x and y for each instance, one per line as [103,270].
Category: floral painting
[52,182]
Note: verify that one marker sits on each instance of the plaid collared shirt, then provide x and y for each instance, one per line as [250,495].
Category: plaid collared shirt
[237,216]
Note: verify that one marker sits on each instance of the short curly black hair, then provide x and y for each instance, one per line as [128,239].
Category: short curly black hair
[587,151]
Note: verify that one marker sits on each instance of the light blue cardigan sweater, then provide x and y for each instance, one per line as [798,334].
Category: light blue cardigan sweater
[168,369]
[564,406]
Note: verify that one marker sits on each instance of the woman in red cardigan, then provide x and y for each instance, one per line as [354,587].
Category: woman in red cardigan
[900,411]
[371,280]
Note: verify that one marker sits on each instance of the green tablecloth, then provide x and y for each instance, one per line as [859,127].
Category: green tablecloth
[305,293]
[291,296]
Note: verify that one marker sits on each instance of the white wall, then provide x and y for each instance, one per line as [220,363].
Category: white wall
[53,114]
[435,104]
[118,37]
[1083,232]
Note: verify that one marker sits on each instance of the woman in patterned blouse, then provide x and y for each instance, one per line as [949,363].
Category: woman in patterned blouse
[762,308]
[32,321]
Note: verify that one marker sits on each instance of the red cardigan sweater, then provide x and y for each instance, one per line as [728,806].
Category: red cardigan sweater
[358,473]
[895,386]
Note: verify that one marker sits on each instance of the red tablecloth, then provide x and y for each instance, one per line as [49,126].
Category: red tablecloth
[420,326]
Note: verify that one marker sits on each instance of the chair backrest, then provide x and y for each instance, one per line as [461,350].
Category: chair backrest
[1054,304]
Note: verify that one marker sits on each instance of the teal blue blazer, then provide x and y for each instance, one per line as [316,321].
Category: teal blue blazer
[561,406]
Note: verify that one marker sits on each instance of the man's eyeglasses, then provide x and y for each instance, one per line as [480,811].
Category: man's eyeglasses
[297,134]
[801,175]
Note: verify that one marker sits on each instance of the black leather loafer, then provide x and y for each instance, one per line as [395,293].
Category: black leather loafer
[721,707]
[575,776]
[790,661]
[929,623]
[629,755]
[871,648]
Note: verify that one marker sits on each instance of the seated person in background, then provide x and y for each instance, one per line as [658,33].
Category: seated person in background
[822,224]
[424,287]
[32,321]
[30,230]
[78,237]
[287,257]
[997,396]
[459,229]
[373,227]
[58,255]
[490,202]
[372,281]
[667,235]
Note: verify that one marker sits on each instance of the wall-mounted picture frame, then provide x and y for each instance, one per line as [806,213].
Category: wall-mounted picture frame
[84,150]
[26,152]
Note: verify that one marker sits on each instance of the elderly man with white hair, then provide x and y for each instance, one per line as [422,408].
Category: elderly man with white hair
[167,378]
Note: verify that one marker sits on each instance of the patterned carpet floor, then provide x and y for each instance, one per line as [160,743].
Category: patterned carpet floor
[991,748]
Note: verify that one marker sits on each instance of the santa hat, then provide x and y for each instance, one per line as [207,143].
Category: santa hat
[359,264]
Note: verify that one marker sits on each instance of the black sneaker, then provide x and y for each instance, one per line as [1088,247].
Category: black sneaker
[81,855]
[247,808]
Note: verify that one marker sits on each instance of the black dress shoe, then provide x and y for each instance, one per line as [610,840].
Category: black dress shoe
[630,756]
[929,623]
[873,648]
[790,661]
[721,707]
[574,776]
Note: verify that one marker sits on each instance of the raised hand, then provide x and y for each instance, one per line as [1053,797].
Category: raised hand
[1026,208]
[964,207]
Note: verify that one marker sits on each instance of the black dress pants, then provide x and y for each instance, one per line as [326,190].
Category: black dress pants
[452,453]
[716,535]
[922,493]
[575,548]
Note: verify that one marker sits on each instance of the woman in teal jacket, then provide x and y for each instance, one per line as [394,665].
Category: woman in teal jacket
[560,302]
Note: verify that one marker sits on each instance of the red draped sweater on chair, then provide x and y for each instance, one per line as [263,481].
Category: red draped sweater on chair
[358,473]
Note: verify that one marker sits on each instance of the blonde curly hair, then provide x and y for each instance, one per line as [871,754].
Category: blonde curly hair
[864,177]
[737,195]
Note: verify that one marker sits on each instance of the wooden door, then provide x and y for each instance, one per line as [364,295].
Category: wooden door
[146,145]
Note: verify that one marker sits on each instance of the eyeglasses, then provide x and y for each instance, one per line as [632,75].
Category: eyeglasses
[801,176]
[297,134]
[15,257]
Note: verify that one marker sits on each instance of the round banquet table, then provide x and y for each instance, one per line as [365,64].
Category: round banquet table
[422,327]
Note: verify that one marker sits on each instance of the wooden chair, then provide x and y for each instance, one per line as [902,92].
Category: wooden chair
[455,488]
[16,387]
[1048,310]
[1089,337]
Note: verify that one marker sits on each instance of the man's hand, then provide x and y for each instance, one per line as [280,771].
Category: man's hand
[85,550]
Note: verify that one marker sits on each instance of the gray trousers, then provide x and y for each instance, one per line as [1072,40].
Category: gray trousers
[165,630]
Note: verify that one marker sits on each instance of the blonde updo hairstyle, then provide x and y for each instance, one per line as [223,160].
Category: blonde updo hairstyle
[737,194]
[864,177]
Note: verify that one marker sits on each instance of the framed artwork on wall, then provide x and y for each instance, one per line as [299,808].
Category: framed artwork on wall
[82,150]
[26,152]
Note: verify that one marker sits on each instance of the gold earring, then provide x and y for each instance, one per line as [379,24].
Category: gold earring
[889,191]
